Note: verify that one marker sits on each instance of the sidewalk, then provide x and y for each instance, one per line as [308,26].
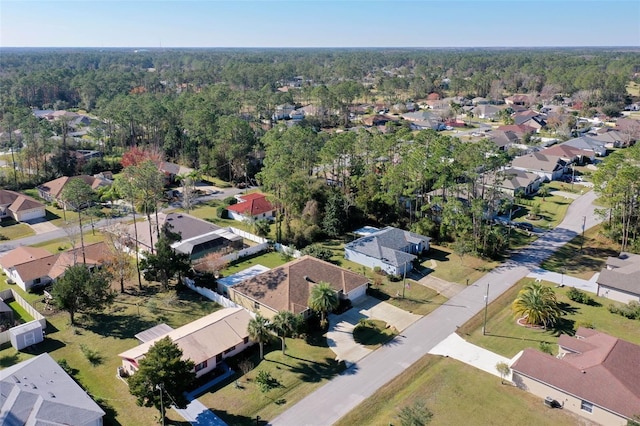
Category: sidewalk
[567,280]
[456,347]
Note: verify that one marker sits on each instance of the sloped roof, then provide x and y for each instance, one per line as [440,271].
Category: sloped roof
[566,151]
[625,274]
[512,179]
[22,254]
[55,265]
[517,128]
[288,287]
[387,244]
[18,202]
[254,204]
[39,392]
[181,223]
[537,161]
[599,368]
[56,186]
[203,338]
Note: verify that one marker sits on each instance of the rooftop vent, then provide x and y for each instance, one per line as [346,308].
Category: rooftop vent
[52,395]
[15,379]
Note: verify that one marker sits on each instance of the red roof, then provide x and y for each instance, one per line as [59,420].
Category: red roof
[253,204]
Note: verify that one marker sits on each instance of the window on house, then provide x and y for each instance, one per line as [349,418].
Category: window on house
[232,348]
[246,340]
[586,406]
[201,366]
[256,305]
[218,358]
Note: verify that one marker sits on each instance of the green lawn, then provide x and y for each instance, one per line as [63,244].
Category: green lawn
[109,334]
[270,260]
[457,394]
[19,313]
[373,334]
[12,230]
[582,259]
[208,212]
[507,338]
[305,367]
[453,268]
[552,211]
[61,244]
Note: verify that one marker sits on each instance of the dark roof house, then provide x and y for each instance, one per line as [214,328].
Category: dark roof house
[620,280]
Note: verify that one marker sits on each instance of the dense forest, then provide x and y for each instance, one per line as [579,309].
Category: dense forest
[211,110]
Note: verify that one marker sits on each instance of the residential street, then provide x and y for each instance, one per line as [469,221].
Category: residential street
[332,401]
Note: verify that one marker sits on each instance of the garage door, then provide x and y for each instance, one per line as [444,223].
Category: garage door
[31,214]
[358,293]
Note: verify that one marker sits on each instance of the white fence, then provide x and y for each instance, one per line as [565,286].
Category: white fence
[5,336]
[249,251]
[210,294]
[287,250]
[248,235]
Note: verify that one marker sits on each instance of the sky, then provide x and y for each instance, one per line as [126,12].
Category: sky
[309,23]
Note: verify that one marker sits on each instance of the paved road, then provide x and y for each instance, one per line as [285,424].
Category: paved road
[335,399]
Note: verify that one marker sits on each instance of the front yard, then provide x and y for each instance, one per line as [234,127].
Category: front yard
[12,230]
[457,394]
[505,337]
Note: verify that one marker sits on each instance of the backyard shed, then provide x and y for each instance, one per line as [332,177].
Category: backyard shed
[26,335]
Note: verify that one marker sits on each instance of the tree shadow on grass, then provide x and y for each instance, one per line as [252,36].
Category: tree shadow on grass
[563,326]
[8,360]
[235,419]
[316,372]
[567,308]
[118,326]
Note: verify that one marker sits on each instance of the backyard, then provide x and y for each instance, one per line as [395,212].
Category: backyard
[457,394]
[108,334]
[505,337]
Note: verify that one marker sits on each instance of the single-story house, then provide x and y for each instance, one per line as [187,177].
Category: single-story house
[518,129]
[588,143]
[287,288]
[223,284]
[611,138]
[595,376]
[486,111]
[283,112]
[517,100]
[391,249]
[52,190]
[253,206]
[197,247]
[570,154]
[20,255]
[548,167]
[39,392]
[620,279]
[42,270]
[206,341]
[190,228]
[514,182]
[19,207]
[503,139]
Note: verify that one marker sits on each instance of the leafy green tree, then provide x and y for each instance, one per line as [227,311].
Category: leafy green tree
[536,304]
[258,329]
[323,299]
[166,263]
[81,289]
[503,369]
[162,371]
[77,194]
[335,215]
[286,324]
[416,414]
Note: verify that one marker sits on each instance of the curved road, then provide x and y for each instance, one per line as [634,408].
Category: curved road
[335,399]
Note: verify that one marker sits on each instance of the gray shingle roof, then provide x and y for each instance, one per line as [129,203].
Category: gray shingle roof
[39,391]
[387,245]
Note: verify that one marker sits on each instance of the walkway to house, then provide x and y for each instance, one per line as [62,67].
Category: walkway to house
[567,280]
[196,413]
[456,347]
[340,333]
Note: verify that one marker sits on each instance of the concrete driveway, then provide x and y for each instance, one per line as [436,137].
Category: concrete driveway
[41,226]
[340,333]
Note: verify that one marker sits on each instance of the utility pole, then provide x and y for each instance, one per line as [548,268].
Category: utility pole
[486,304]
[584,224]
[159,387]
[404,279]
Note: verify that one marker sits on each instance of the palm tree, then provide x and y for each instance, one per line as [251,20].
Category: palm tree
[258,330]
[286,324]
[323,299]
[537,304]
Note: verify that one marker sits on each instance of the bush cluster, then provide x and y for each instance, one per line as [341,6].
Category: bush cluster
[580,296]
[631,310]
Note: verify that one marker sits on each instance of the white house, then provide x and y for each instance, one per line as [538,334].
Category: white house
[39,392]
[206,341]
[20,207]
[250,207]
[620,280]
[391,249]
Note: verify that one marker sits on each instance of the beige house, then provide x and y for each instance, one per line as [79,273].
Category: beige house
[52,190]
[206,341]
[620,279]
[287,288]
[20,207]
[595,375]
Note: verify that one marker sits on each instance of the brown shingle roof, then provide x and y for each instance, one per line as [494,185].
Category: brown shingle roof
[18,202]
[288,287]
[22,254]
[55,187]
[605,374]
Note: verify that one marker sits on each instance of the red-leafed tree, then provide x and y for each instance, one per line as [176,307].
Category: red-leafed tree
[135,156]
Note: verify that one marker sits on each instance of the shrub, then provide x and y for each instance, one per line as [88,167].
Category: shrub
[631,310]
[546,348]
[65,366]
[580,296]
[266,381]
[585,324]
[395,278]
[229,201]
[378,270]
[3,237]
[221,212]
[92,356]
[318,252]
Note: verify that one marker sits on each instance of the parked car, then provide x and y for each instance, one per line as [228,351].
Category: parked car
[524,225]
